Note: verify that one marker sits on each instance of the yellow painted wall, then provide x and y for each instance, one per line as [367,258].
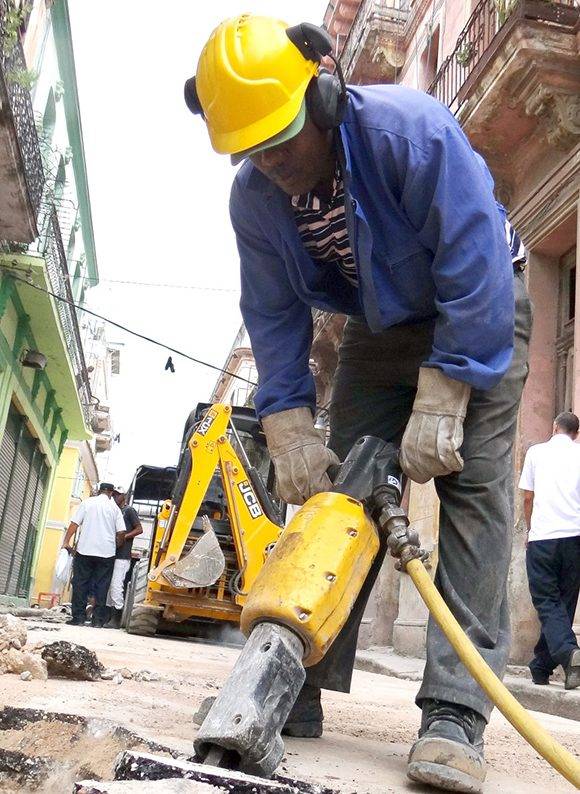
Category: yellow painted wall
[62,506]
[59,508]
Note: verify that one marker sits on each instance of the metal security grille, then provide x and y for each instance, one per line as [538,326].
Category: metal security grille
[23,473]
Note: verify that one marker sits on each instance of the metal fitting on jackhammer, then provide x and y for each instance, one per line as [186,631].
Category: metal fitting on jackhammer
[403,542]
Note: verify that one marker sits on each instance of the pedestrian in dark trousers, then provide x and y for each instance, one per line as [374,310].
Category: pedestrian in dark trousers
[551,484]
[99,520]
[116,596]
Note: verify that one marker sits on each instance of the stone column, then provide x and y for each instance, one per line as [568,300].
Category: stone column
[535,422]
[409,631]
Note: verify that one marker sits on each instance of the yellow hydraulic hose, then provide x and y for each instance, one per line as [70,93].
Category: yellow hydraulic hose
[556,755]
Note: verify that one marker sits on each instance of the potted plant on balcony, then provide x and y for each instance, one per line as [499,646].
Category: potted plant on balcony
[504,9]
[465,53]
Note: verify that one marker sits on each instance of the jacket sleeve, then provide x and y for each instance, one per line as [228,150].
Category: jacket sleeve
[447,193]
[278,322]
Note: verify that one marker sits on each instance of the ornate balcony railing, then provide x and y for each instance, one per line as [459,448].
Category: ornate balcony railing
[51,247]
[488,25]
[15,101]
[371,15]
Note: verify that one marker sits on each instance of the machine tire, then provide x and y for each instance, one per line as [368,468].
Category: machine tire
[138,619]
[143,620]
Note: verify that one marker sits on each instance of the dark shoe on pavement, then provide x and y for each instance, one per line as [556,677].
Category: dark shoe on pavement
[75,622]
[305,719]
[572,670]
[449,752]
[114,621]
[540,678]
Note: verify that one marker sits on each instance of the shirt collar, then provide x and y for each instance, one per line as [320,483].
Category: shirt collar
[558,437]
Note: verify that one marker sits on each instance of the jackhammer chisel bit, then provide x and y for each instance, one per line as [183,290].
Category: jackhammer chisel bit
[242,728]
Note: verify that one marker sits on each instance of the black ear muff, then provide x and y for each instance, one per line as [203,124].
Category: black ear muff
[191,97]
[312,41]
[325,100]
[326,96]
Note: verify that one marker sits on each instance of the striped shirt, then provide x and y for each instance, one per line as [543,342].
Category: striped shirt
[323,231]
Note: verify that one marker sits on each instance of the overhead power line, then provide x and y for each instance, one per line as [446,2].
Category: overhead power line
[144,337]
[158,285]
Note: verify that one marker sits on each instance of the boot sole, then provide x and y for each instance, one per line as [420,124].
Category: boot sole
[446,764]
[443,777]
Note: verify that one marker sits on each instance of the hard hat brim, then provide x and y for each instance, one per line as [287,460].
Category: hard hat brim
[286,134]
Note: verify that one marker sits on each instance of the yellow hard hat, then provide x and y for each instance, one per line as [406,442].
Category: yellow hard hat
[251,82]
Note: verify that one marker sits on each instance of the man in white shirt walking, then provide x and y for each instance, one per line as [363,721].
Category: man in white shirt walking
[100,520]
[551,484]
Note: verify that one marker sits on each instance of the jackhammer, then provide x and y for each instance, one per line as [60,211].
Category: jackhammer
[302,598]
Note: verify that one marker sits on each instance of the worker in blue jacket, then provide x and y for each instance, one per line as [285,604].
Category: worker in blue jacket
[369,201]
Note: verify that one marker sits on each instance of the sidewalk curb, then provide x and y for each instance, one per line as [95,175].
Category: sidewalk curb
[552,699]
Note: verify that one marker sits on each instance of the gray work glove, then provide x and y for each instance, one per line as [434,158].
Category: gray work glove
[300,458]
[434,433]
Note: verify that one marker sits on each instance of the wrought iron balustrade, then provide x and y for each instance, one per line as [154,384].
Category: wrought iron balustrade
[371,15]
[51,248]
[15,102]
[489,23]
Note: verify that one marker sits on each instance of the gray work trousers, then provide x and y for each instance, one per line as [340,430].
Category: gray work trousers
[373,392]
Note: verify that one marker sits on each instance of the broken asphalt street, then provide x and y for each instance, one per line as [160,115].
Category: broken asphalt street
[367,733]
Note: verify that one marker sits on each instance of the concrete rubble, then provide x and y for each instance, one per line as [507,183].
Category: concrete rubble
[14,656]
[69,660]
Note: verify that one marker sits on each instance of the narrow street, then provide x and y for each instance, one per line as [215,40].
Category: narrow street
[367,734]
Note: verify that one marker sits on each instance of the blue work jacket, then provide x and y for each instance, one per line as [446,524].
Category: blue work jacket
[427,236]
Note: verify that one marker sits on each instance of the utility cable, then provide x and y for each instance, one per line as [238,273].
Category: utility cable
[124,328]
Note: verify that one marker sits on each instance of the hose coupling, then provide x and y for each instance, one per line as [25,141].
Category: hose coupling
[403,541]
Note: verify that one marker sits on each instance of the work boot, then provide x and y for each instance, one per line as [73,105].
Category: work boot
[449,752]
[305,719]
[114,621]
[75,622]
[572,670]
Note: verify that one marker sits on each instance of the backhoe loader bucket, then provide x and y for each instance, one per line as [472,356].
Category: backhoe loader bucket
[202,566]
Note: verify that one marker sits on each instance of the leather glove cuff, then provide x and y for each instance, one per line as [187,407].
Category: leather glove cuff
[289,430]
[441,395]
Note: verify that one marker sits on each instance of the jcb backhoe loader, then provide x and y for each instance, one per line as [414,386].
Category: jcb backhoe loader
[212,536]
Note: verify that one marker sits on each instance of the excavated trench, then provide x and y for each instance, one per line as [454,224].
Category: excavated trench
[46,752]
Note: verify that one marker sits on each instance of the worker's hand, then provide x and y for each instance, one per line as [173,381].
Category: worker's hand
[434,433]
[69,549]
[120,538]
[299,455]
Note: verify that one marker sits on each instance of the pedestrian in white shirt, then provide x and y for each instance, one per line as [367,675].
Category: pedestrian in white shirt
[99,520]
[551,484]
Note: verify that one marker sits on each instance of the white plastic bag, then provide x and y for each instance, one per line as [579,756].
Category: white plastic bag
[63,568]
